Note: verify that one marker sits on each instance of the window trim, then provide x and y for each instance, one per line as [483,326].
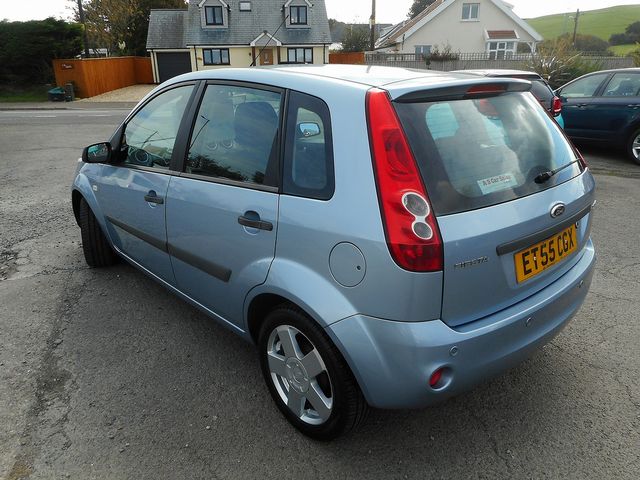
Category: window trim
[195,108]
[304,54]
[204,62]
[298,9]
[213,9]
[470,18]
[245,2]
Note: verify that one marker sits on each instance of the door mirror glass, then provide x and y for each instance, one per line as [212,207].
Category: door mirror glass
[309,129]
[97,153]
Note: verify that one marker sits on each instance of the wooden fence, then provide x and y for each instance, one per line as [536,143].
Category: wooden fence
[470,61]
[354,58]
[93,76]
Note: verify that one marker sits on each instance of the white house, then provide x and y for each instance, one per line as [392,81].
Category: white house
[466,26]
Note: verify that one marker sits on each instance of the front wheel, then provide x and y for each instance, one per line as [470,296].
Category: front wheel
[307,376]
[96,248]
[633,147]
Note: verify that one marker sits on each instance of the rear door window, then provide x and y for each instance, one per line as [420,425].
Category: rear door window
[479,152]
[623,85]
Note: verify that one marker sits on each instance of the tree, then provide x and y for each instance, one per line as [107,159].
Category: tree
[630,35]
[355,39]
[418,6]
[28,48]
[121,26]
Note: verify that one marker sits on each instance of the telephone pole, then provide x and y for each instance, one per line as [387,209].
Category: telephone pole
[85,37]
[575,26]
[372,23]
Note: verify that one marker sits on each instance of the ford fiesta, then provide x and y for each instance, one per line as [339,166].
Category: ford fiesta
[386,237]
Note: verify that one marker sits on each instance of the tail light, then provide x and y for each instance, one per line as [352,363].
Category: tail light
[410,226]
[557,106]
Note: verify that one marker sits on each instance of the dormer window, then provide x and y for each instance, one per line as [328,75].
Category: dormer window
[298,15]
[213,15]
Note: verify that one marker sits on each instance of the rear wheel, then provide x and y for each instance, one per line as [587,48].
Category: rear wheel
[307,376]
[97,251]
[633,146]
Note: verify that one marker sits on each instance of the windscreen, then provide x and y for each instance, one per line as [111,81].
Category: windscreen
[474,153]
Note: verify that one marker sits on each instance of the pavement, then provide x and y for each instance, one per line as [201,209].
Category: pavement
[103,374]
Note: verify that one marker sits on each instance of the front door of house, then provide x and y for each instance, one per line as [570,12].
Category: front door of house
[266,57]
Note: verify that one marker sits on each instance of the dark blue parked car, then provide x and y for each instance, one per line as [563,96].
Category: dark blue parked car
[604,107]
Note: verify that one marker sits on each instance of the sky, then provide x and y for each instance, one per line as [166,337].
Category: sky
[387,11]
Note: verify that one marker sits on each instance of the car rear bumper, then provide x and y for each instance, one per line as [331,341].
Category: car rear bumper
[394,360]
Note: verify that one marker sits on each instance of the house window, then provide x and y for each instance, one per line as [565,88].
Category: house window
[300,55]
[423,50]
[216,56]
[298,15]
[245,6]
[501,50]
[213,16]
[470,11]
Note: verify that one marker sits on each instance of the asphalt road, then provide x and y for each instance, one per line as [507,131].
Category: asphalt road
[103,374]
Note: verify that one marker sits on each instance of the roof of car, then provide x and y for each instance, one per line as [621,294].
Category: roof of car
[374,76]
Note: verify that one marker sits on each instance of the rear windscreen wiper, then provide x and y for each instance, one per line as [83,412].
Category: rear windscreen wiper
[544,176]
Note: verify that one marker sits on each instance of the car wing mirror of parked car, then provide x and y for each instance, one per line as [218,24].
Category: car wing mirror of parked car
[309,129]
[97,153]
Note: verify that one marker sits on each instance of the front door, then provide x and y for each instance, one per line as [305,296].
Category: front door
[132,193]
[266,57]
[222,211]
[580,120]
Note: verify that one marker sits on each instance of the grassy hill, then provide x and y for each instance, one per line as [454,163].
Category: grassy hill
[602,23]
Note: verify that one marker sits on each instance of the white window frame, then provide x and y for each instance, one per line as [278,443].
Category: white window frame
[245,6]
[422,49]
[502,49]
[470,17]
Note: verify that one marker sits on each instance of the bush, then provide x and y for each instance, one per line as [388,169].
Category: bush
[558,62]
[620,39]
[446,53]
[28,48]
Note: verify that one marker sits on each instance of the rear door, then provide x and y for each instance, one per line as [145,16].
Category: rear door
[479,158]
[132,193]
[580,118]
[222,211]
[618,106]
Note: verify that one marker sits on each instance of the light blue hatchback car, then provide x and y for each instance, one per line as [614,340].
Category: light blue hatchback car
[386,237]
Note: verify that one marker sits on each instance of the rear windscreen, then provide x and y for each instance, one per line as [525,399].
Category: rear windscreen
[480,152]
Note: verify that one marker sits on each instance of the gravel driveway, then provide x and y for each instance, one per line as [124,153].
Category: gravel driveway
[126,94]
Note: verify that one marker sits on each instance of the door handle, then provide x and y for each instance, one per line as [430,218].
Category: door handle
[152,197]
[582,105]
[633,105]
[259,224]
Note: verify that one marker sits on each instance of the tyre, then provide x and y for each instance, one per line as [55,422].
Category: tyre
[633,146]
[307,376]
[97,251]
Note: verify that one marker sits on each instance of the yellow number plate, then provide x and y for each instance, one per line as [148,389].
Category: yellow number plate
[536,258]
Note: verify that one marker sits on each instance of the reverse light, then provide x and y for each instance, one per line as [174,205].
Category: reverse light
[410,226]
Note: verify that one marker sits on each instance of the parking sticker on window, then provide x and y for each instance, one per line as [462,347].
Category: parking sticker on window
[497,183]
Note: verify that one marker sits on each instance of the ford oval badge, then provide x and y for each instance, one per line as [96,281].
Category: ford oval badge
[557,210]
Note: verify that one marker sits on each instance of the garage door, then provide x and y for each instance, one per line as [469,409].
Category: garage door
[171,64]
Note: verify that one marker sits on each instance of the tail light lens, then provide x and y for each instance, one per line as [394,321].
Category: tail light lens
[410,226]
[557,106]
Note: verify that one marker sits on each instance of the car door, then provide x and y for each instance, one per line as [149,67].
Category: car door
[222,211]
[618,106]
[132,191]
[580,120]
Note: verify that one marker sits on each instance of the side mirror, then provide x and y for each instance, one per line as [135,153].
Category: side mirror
[309,129]
[97,153]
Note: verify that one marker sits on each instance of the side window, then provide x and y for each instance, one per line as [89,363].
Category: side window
[623,85]
[150,135]
[235,135]
[585,87]
[308,159]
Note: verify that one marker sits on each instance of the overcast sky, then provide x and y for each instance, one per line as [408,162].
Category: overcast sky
[388,11]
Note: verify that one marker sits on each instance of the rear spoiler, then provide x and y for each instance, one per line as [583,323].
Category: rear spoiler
[413,92]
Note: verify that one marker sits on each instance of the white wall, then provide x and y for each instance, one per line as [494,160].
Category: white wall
[463,36]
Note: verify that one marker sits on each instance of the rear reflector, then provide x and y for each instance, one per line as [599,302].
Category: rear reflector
[410,225]
[435,378]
